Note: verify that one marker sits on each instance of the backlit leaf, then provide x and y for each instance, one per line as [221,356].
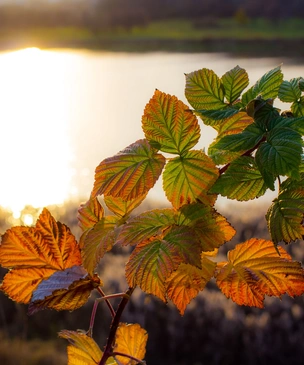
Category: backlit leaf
[130,173]
[234,124]
[83,350]
[131,339]
[97,241]
[89,214]
[169,125]
[19,284]
[215,117]
[123,208]
[152,261]
[243,141]
[187,281]
[146,225]
[211,228]
[34,254]
[280,154]
[289,91]
[188,179]
[234,81]
[255,269]
[64,290]
[285,215]
[267,86]
[241,181]
[297,107]
[204,90]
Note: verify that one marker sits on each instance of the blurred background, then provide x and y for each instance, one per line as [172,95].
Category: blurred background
[75,76]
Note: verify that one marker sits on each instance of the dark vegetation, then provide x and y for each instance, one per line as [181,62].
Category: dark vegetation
[271,28]
[213,330]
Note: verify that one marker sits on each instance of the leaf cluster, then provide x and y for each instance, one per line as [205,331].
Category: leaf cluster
[174,250]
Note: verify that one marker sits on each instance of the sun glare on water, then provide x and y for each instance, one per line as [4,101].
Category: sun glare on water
[34,150]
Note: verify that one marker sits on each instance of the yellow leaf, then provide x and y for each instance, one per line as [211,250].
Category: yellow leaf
[34,254]
[255,269]
[122,207]
[83,349]
[187,281]
[131,340]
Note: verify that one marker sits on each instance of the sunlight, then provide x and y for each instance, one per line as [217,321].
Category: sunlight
[34,149]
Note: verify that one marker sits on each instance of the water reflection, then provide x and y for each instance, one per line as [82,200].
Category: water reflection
[62,112]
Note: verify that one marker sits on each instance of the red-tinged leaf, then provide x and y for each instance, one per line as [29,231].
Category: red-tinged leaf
[19,284]
[187,281]
[97,241]
[64,290]
[131,339]
[255,269]
[49,245]
[169,125]
[204,90]
[152,261]
[211,228]
[123,208]
[145,226]
[89,214]
[129,174]
[188,179]
[83,350]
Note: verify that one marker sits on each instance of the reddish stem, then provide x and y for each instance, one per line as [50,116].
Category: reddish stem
[108,351]
[116,353]
[107,302]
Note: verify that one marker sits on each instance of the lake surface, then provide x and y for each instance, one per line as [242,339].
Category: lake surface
[63,112]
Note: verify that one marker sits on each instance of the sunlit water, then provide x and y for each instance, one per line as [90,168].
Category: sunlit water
[62,112]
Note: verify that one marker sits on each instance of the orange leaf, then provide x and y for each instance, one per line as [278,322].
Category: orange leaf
[187,281]
[129,174]
[19,284]
[131,340]
[41,250]
[83,349]
[255,269]
[89,214]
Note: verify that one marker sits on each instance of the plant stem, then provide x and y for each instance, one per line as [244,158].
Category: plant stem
[115,353]
[247,153]
[107,302]
[108,351]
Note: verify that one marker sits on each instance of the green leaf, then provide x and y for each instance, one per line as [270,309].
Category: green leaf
[243,141]
[234,81]
[204,90]
[285,215]
[280,154]
[301,84]
[289,91]
[265,115]
[187,179]
[242,181]
[267,86]
[152,261]
[122,208]
[211,228]
[97,241]
[297,107]
[169,125]
[146,226]
[130,173]
[215,117]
